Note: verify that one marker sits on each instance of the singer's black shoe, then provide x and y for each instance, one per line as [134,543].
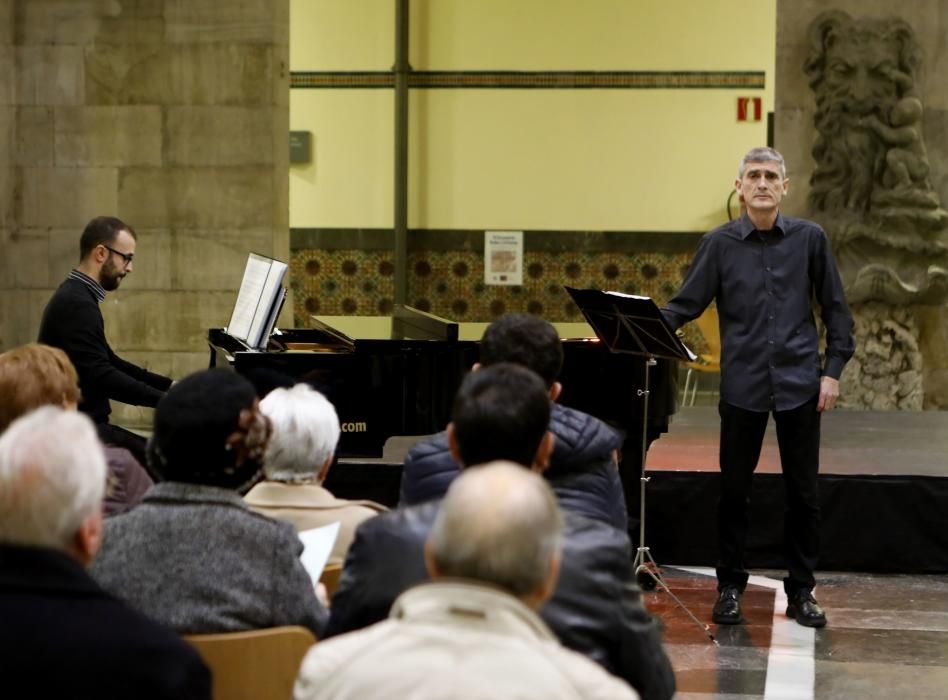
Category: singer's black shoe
[803,608]
[727,611]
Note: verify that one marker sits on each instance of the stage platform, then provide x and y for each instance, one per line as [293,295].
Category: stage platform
[883,487]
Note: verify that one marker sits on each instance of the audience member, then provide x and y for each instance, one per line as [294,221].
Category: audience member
[35,375]
[62,636]
[493,554]
[583,469]
[296,463]
[193,555]
[502,412]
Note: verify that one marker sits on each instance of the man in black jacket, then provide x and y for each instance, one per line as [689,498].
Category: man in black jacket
[502,412]
[61,635]
[583,470]
[73,322]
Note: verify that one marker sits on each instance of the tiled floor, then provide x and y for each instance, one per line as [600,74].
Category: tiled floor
[887,637]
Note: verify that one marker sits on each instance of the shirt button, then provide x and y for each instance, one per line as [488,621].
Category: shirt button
[768,269]
[771,342]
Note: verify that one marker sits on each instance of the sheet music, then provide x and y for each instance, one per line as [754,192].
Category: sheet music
[629,323]
[627,296]
[255,277]
[269,327]
[317,546]
[269,296]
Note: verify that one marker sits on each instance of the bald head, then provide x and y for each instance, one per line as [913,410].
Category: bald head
[499,524]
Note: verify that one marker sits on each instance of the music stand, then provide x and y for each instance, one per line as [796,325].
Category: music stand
[633,325]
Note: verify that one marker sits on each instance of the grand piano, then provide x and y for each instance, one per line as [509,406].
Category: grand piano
[400,377]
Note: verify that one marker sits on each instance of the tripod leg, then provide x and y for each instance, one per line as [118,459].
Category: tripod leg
[647,568]
[644,566]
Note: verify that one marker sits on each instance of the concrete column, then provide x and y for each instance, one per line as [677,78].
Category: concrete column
[171,115]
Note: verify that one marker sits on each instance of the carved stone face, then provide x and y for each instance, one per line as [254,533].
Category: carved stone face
[861,72]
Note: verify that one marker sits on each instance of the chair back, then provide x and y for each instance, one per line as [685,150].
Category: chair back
[256,664]
[330,578]
[707,323]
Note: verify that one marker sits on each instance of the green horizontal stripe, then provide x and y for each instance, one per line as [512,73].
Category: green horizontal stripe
[543,80]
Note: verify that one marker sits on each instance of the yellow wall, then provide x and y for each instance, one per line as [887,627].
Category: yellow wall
[658,160]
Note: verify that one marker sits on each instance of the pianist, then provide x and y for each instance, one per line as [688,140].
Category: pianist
[73,322]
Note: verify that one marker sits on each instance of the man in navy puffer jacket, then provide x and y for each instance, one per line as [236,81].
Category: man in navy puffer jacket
[582,472]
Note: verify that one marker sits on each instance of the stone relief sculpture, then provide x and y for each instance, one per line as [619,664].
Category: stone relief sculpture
[871,182]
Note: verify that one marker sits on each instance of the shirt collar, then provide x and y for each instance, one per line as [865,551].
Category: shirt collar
[276,494]
[747,226]
[469,602]
[180,492]
[94,286]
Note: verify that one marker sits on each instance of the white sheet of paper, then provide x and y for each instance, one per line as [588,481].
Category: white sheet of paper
[317,546]
[251,287]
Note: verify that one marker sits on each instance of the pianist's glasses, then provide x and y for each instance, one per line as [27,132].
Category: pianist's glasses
[126,257]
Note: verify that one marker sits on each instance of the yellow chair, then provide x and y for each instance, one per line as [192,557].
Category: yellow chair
[710,362]
[330,578]
[256,664]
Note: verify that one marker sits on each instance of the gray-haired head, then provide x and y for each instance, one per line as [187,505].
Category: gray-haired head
[498,524]
[761,154]
[52,477]
[305,433]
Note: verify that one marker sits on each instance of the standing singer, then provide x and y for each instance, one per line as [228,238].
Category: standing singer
[765,271]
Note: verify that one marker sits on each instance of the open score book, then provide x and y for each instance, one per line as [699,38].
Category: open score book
[259,301]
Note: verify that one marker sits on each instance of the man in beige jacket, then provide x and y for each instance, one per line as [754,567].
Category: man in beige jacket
[297,461]
[472,632]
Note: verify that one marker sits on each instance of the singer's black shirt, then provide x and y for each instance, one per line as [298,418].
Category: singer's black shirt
[764,284]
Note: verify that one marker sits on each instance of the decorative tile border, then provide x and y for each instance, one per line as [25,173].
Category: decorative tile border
[473,239]
[536,80]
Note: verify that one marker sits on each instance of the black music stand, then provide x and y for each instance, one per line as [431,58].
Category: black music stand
[634,325]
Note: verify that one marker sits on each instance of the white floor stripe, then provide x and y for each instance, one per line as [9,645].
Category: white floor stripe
[791,663]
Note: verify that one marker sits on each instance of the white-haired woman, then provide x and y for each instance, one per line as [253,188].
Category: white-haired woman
[296,463]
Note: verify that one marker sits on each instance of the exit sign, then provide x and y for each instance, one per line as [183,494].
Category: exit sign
[749,109]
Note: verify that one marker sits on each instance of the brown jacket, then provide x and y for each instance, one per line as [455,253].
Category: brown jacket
[308,506]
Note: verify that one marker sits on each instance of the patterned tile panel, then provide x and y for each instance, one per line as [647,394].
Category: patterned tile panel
[451,283]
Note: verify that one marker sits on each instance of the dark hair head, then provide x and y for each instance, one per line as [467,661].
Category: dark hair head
[500,412]
[526,340]
[102,230]
[193,423]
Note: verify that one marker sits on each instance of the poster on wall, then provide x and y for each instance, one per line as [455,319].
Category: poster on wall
[503,257]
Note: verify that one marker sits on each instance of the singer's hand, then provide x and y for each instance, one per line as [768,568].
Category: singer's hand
[829,392]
